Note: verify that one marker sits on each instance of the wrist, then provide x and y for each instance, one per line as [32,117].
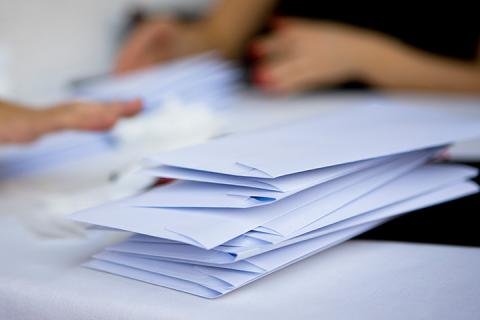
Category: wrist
[210,37]
[199,38]
[382,60]
[52,119]
[373,53]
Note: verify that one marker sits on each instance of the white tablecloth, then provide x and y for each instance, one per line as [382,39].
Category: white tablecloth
[42,279]
[358,280]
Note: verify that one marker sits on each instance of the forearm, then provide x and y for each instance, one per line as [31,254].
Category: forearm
[394,65]
[231,22]
[22,124]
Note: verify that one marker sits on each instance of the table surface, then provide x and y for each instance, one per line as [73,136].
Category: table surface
[357,280]
[42,278]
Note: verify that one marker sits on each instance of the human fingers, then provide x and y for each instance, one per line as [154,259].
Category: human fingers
[144,47]
[91,116]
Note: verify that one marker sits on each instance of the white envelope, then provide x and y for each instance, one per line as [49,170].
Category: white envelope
[210,227]
[52,150]
[301,180]
[385,173]
[211,282]
[421,180]
[241,241]
[199,78]
[444,194]
[151,247]
[425,181]
[362,132]
[191,194]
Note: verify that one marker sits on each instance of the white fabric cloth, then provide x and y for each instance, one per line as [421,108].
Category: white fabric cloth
[357,280]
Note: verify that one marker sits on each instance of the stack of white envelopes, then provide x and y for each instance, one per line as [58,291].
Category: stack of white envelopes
[244,206]
[203,78]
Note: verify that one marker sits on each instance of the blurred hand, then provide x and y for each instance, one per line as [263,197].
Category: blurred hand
[157,41]
[302,54]
[23,125]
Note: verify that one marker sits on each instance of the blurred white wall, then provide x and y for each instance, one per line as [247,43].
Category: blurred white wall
[44,44]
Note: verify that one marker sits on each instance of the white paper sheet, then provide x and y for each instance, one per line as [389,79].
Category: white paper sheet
[432,198]
[301,180]
[360,133]
[194,226]
[293,221]
[425,181]
[227,255]
[204,78]
[190,194]
[195,279]
[51,151]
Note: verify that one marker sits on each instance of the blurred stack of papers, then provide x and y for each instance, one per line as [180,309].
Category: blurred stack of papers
[247,205]
[203,80]
[51,151]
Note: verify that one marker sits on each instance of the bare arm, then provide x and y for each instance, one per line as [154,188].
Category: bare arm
[232,22]
[404,67]
[307,54]
[20,124]
[225,29]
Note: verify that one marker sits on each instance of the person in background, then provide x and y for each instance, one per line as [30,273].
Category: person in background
[386,46]
[20,124]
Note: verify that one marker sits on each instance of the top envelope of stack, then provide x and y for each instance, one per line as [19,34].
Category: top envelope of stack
[361,133]
[247,205]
